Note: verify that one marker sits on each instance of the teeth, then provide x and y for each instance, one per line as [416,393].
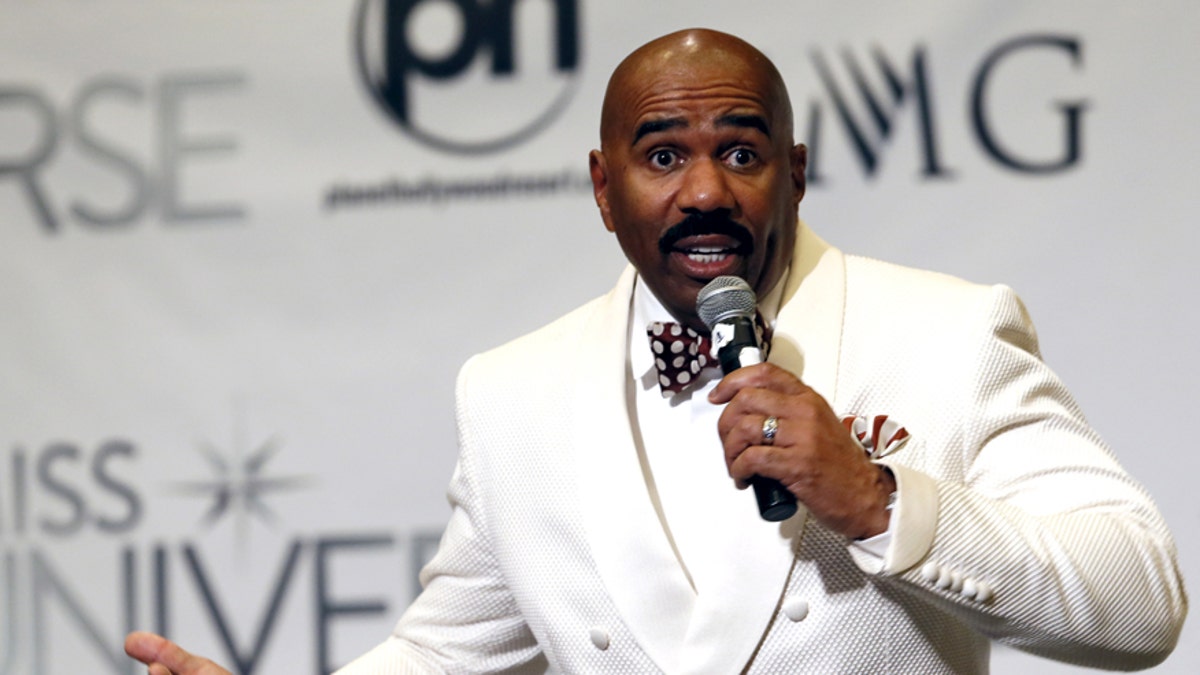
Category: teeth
[707,255]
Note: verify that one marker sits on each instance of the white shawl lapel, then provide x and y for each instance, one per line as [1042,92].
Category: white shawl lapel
[808,330]
[639,568]
[633,556]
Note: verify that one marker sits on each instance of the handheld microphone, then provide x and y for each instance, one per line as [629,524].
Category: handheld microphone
[727,306]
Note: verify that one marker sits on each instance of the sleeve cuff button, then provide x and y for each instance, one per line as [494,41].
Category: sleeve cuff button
[929,572]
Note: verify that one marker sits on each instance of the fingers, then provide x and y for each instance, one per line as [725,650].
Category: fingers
[741,422]
[145,647]
[167,658]
[755,394]
[748,453]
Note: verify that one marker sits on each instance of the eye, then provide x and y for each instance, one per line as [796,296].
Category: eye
[662,158]
[742,157]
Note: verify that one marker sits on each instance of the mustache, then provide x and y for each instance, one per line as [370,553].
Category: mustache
[707,223]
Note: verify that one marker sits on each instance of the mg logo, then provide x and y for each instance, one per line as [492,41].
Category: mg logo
[453,76]
[868,115]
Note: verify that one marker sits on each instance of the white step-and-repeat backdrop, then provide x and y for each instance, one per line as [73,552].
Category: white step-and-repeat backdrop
[245,246]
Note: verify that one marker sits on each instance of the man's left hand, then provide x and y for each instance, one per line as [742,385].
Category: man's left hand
[812,453]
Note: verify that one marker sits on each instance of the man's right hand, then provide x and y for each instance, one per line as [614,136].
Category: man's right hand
[167,658]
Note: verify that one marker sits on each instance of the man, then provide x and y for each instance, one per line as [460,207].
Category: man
[594,527]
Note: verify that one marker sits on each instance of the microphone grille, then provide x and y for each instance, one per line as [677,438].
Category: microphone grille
[725,297]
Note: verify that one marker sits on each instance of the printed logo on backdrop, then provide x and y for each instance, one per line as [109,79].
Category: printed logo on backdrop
[76,574]
[879,94]
[109,151]
[453,76]
[467,78]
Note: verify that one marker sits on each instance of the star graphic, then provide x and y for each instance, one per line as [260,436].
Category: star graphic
[240,486]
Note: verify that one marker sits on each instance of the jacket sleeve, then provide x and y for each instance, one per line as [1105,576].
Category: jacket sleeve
[465,620]
[1039,539]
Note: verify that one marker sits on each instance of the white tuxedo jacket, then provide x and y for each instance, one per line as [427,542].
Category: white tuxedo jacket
[1014,521]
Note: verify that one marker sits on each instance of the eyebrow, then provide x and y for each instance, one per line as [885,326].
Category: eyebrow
[656,126]
[746,121]
[742,121]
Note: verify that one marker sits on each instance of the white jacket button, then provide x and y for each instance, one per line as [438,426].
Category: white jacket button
[599,637]
[796,609]
[983,592]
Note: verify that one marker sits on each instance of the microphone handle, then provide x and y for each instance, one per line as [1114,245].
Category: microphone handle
[775,502]
[737,346]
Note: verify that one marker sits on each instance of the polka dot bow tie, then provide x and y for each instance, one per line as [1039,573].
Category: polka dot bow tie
[680,353]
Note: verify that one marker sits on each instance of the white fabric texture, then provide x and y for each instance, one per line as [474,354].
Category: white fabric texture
[1017,524]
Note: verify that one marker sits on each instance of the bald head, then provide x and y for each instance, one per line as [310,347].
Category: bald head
[696,58]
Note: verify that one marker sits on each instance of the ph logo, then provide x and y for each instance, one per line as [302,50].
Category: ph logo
[451,74]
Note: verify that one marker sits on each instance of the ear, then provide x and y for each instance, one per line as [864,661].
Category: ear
[599,170]
[799,166]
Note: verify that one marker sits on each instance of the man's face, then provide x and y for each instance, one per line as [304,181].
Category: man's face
[698,178]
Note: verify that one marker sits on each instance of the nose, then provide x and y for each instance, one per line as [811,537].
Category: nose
[705,188]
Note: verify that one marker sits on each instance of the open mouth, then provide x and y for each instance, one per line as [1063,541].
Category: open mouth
[707,246]
[705,255]
[711,247]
